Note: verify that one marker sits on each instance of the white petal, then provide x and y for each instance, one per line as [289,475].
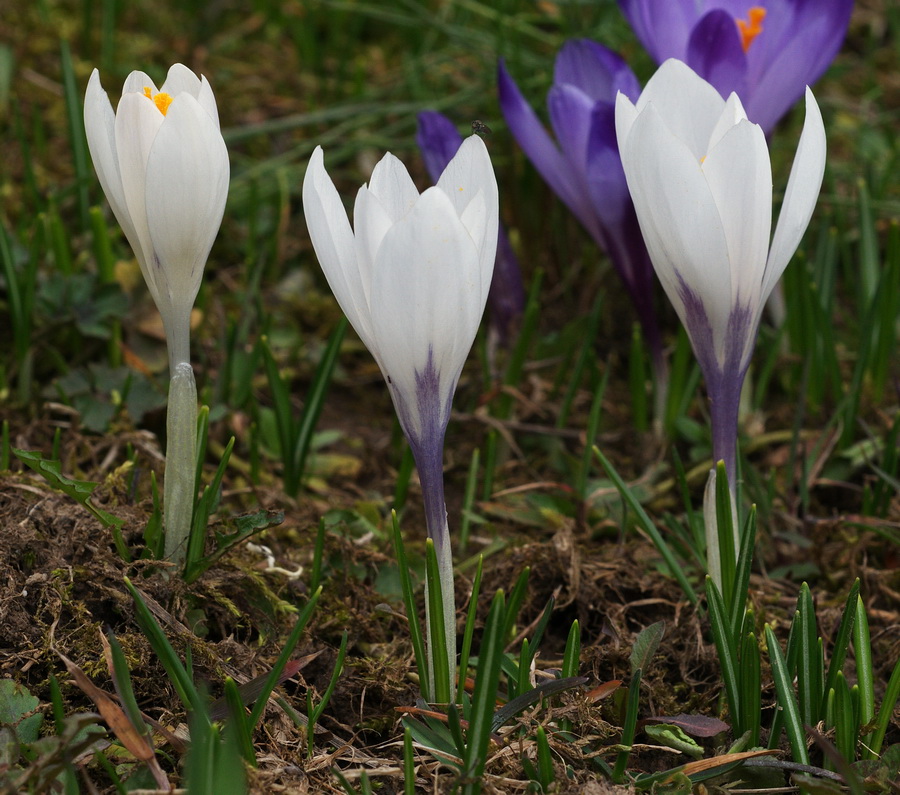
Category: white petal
[800,196]
[739,176]
[732,113]
[137,122]
[370,224]
[332,239]
[181,79]
[136,82]
[393,186]
[690,105]
[187,185]
[626,113]
[207,100]
[482,225]
[468,173]
[426,296]
[100,127]
[679,220]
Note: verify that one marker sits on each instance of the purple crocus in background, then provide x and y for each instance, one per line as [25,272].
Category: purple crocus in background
[439,140]
[766,52]
[583,167]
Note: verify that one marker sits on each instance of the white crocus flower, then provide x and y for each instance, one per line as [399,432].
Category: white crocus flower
[413,276]
[163,166]
[700,177]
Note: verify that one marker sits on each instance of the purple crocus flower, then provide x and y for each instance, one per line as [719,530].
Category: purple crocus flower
[583,167]
[439,140]
[766,53]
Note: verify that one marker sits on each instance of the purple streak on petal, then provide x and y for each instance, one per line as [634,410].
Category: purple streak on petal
[715,53]
[723,381]
[541,149]
[438,140]
[428,449]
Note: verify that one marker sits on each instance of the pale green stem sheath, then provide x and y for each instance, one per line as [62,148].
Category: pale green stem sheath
[181,461]
[448,595]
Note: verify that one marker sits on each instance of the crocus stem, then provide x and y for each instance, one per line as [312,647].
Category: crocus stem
[725,398]
[181,461]
[429,462]
[724,405]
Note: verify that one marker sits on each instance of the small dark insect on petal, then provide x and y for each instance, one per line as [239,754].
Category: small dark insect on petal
[389,380]
[480,128]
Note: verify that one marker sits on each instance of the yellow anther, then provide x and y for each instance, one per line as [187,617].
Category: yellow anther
[160,99]
[752,26]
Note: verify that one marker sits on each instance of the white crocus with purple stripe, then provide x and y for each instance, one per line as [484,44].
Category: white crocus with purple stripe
[701,180]
[413,276]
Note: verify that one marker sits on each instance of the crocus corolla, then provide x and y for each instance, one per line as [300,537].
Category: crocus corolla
[765,51]
[412,276]
[163,166]
[439,140]
[699,173]
[582,165]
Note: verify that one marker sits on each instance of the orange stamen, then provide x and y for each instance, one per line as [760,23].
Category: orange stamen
[160,99]
[752,26]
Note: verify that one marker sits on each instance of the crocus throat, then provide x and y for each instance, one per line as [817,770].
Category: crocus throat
[160,99]
[752,26]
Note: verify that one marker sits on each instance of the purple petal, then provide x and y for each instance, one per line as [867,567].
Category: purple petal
[596,71]
[527,129]
[506,298]
[605,176]
[570,115]
[715,53]
[438,140]
[663,26]
[785,64]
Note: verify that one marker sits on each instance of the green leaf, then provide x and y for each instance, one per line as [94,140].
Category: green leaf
[78,490]
[16,702]
[673,737]
[645,646]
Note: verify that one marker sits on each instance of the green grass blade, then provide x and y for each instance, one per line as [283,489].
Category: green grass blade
[842,640]
[409,764]
[891,695]
[437,640]
[516,597]
[750,688]
[786,700]
[742,574]
[178,674]
[649,528]
[484,697]
[628,727]
[237,714]
[469,631]
[275,673]
[315,401]
[809,662]
[412,615]
[862,649]
[726,646]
